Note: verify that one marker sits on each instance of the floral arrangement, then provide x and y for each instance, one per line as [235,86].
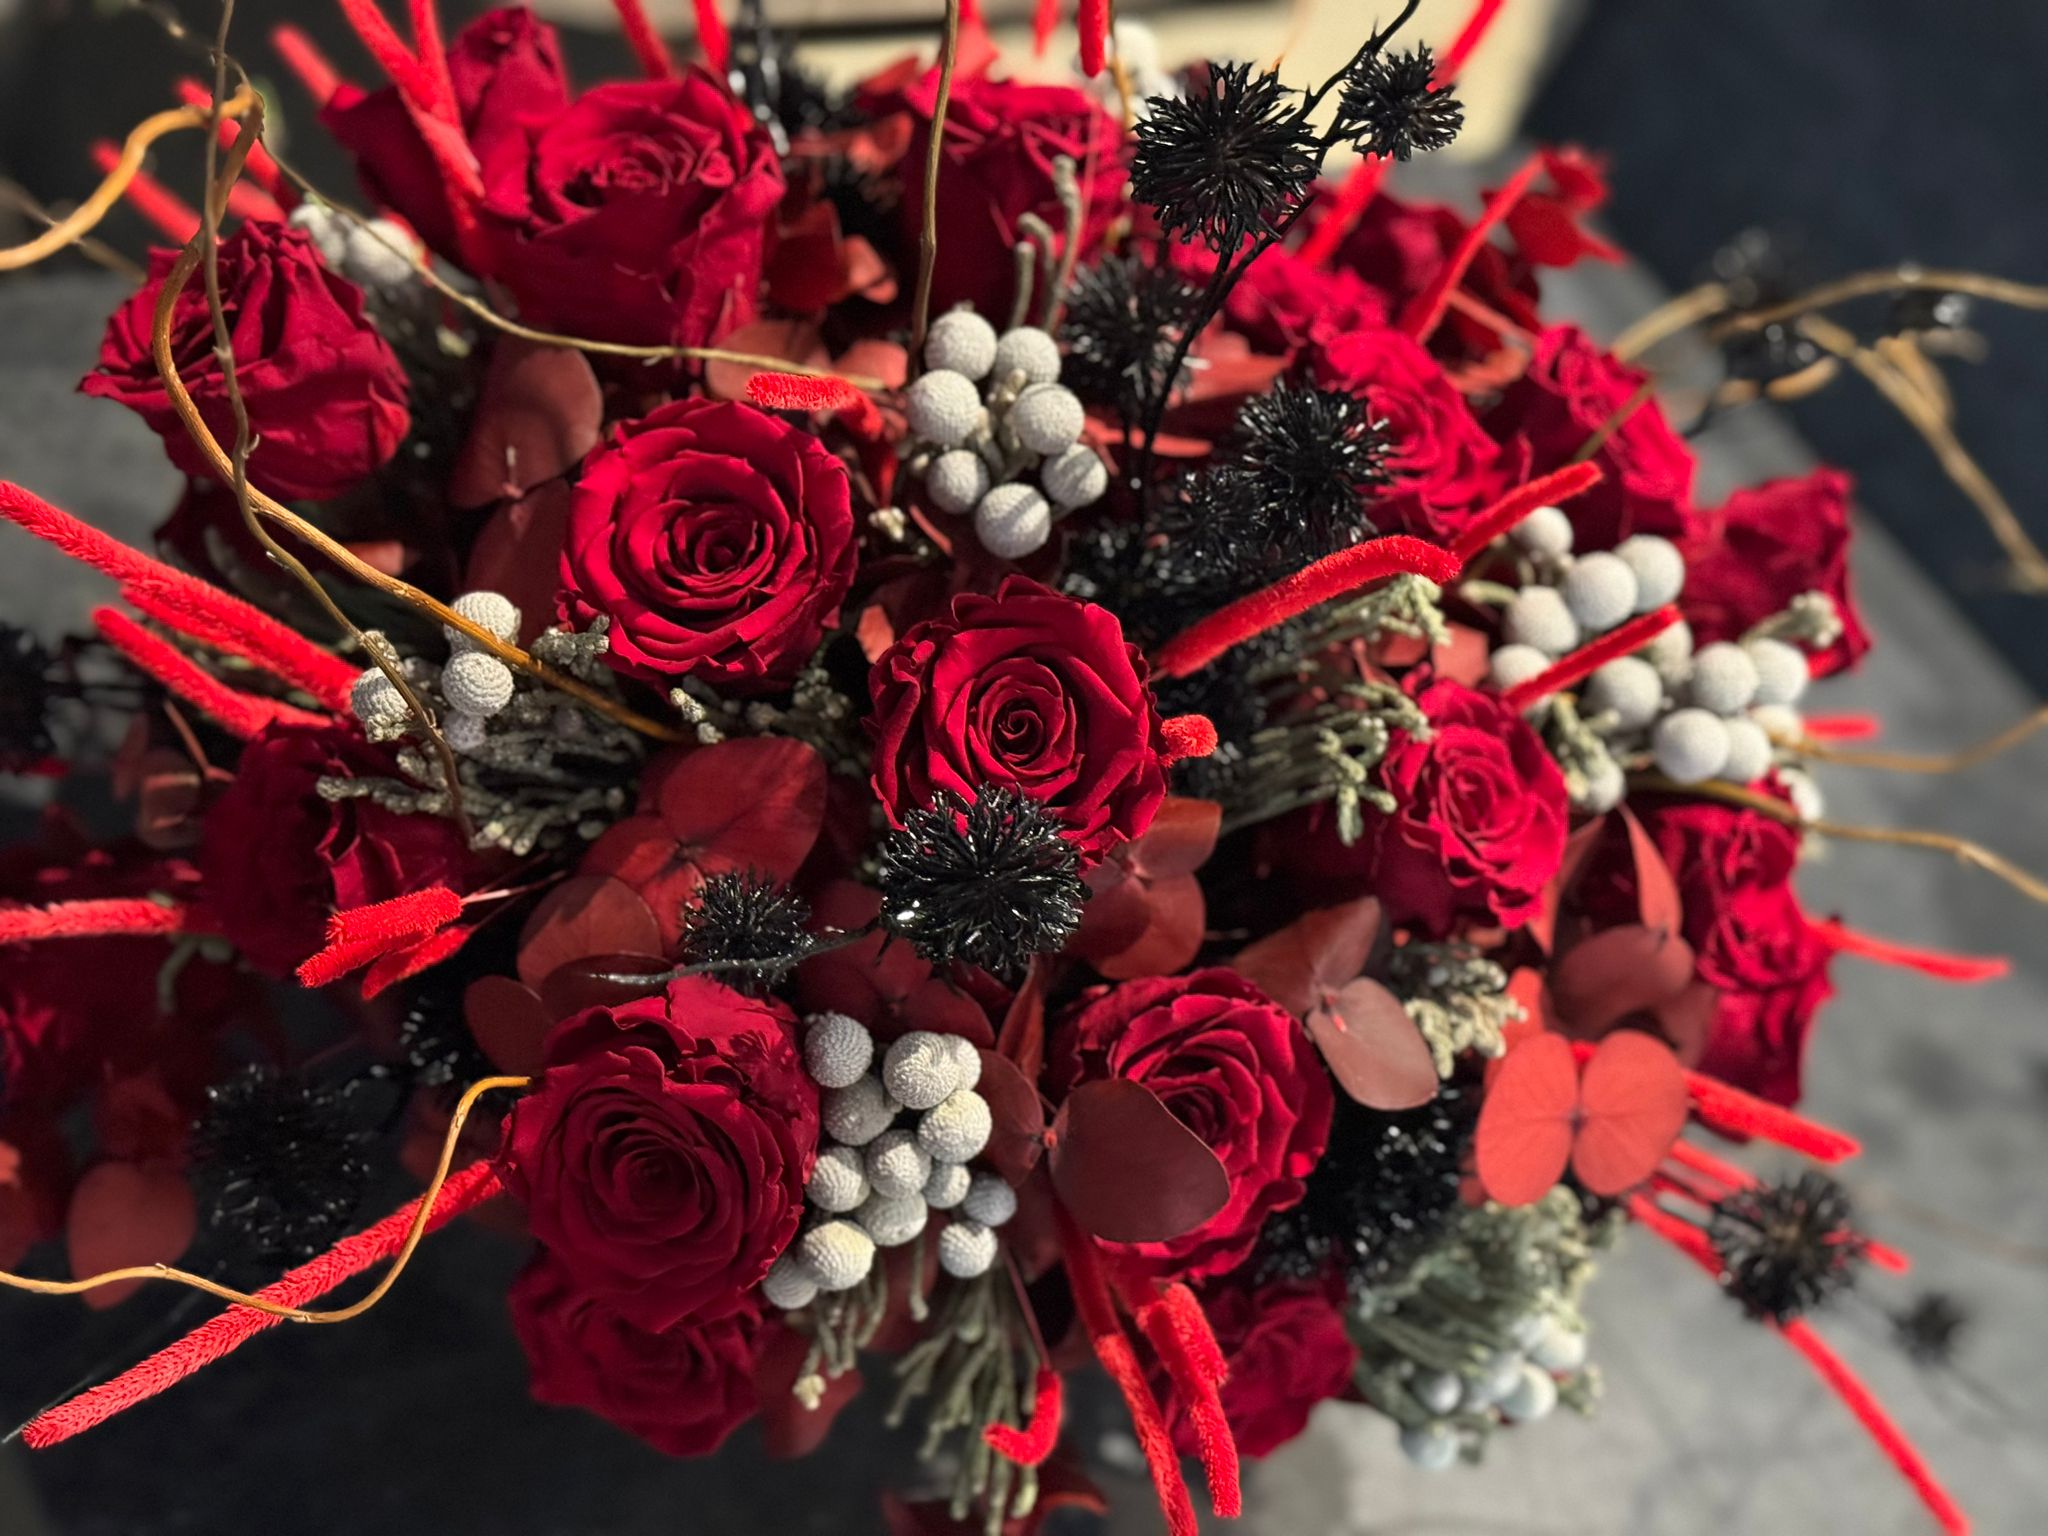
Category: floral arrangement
[934,735]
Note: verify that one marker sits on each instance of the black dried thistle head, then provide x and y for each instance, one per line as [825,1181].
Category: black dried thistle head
[866,204]
[1309,458]
[1787,1248]
[1124,321]
[1235,154]
[280,1162]
[25,695]
[988,884]
[1389,109]
[750,923]
[1929,1329]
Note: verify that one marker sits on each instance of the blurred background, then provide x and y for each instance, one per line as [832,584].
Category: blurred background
[1853,133]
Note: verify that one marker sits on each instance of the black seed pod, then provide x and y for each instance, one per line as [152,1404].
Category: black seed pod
[280,1163]
[1124,321]
[1389,108]
[1308,459]
[750,926]
[1787,1248]
[1235,154]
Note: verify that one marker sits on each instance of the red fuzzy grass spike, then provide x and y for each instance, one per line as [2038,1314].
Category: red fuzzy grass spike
[1965,969]
[243,714]
[713,36]
[801,392]
[1093,21]
[1588,659]
[1844,727]
[302,56]
[1354,195]
[1029,1446]
[392,56]
[1188,736]
[1187,1347]
[1194,1331]
[1716,1169]
[329,965]
[1735,1113]
[228,1332]
[402,917]
[433,56]
[401,965]
[246,200]
[260,167]
[1045,18]
[645,41]
[1426,310]
[1338,575]
[1545,490]
[1469,37]
[174,218]
[92,920]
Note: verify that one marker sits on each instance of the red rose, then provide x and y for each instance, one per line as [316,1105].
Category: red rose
[683,1390]
[1282,302]
[1287,1349]
[1026,688]
[1400,248]
[1237,1070]
[326,396]
[1001,139]
[276,858]
[718,539]
[506,66]
[662,1154]
[1765,547]
[1445,468]
[1750,937]
[640,214]
[1571,390]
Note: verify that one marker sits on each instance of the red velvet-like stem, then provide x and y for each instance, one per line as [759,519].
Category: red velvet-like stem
[243,714]
[1843,727]
[800,392]
[402,917]
[1677,1231]
[1045,17]
[1469,37]
[1928,962]
[1186,1345]
[1581,664]
[1349,570]
[260,167]
[432,50]
[1188,736]
[1426,310]
[1092,19]
[174,218]
[645,41]
[92,920]
[1030,1445]
[233,1328]
[1543,491]
[713,36]
[1703,1162]
[1735,1113]
[302,56]
[377,35]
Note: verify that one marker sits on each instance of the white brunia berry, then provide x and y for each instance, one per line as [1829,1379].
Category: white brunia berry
[1437,1391]
[1514,664]
[492,612]
[1538,617]
[327,230]
[376,700]
[1047,419]
[788,1285]
[956,480]
[1546,531]
[1432,1447]
[837,1050]
[1013,521]
[1723,678]
[1029,351]
[1781,722]
[857,1113]
[1782,671]
[990,1200]
[1606,787]
[1628,688]
[464,733]
[1671,653]
[1658,567]
[919,1070]
[960,341]
[1558,1348]
[893,1220]
[1533,1397]
[947,1186]
[839,1180]
[837,1255]
[966,1059]
[1690,745]
[897,1165]
[1600,591]
[380,254]
[966,1249]
[957,1130]
[943,407]
[1074,477]
[1806,795]
[1496,1379]
[1749,752]
[476,683]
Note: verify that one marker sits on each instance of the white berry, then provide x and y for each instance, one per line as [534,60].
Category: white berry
[1029,351]
[956,1130]
[1432,1447]
[463,732]
[1533,1397]
[990,1200]
[837,1050]
[838,1181]
[1690,745]
[380,254]
[1629,689]
[1538,617]
[327,230]
[956,480]
[1013,521]
[1546,531]
[476,683]
[1437,1391]
[1606,788]
[1513,664]
[788,1285]
[944,408]
[893,1220]
[966,1059]
[1806,795]
[1658,567]
[966,1249]
[1600,591]
[492,612]
[1074,477]
[947,1186]
[837,1255]
[1558,1348]
[1047,419]
[897,1166]
[376,701]
[1723,678]
[1780,722]
[1671,653]
[857,1113]
[919,1070]
[1496,1379]
[1749,752]
[961,342]
[1782,671]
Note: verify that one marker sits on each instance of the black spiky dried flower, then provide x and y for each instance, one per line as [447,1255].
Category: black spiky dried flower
[990,883]
[752,928]
[1787,1247]
[1235,155]
[1124,322]
[280,1163]
[25,694]
[1390,108]
[1309,459]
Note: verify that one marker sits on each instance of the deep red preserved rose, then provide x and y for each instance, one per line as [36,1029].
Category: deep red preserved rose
[1400,248]
[1444,467]
[1766,546]
[1571,390]
[277,859]
[663,1151]
[1027,688]
[683,1390]
[506,67]
[1287,1350]
[1235,1068]
[325,394]
[718,540]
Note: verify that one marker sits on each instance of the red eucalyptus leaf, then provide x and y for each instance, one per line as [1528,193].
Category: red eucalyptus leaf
[1175,917]
[1632,1105]
[1022,1037]
[124,1214]
[508,1021]
[1617,972]
[538,412]
[1577,849]
[1116,916]
[591,982]
[1523,1140]
[1179,841]
[519,553]
[1304,963]
[1373,1048]
[584,915]
[1127,1170]
[643,853]
[1018,1139]
[1657,902]
[755,804]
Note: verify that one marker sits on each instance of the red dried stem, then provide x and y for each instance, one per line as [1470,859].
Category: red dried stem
[1469,37]
[1188,736]
[433,56]
[1700,1161]
[259,167]
[232,1329]
[401,965]
[92,920]
[712,35]
[1426,310]
[1186,1345]
[243,714]
[402,917]
[1030,1446]
[1092,19]
[1843,727]
[645,41]
[1045,19]
[174,218]
[1966,969]
[1545,490]
[302,56]
[1581,664]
